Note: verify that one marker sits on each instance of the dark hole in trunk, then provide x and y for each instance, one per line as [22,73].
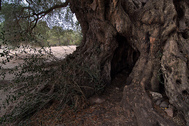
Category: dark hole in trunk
[123,60]
[185,92]
[185,35]
[180,11]
[178,81]
[161,83]
[143,3]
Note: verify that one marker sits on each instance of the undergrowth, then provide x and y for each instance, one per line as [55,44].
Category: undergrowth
[39,81]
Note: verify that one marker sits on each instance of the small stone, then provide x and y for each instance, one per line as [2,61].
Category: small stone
[170,106]
[158,102]
[156,95]
[169,112]
[96,100]
[117,88]
[164,104]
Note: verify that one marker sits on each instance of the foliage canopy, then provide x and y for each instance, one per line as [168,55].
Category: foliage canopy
[36,21]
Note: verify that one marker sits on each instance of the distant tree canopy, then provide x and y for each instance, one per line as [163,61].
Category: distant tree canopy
[58,36]
[25,22]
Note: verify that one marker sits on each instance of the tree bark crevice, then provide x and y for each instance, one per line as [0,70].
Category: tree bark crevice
[146,38]
[136,99]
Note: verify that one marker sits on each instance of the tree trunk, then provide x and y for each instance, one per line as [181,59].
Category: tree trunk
[147,38]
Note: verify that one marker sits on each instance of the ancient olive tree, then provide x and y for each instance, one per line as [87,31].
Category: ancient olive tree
[147,38]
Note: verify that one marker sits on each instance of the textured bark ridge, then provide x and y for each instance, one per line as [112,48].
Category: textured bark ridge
[147,38]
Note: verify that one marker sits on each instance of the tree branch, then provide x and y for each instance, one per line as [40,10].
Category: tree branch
[54,7]
[49,10]
[43,13]
[0,4]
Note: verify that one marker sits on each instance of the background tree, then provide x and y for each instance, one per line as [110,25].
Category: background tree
[11,29]
[1,33]
[57,32]
[59,36]
[41,34]
[146,38]
[23,27]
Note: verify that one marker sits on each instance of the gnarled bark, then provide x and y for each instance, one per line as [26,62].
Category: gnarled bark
[142,37]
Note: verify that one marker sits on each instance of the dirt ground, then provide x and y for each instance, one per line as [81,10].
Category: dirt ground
[59,52]
[107,113]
